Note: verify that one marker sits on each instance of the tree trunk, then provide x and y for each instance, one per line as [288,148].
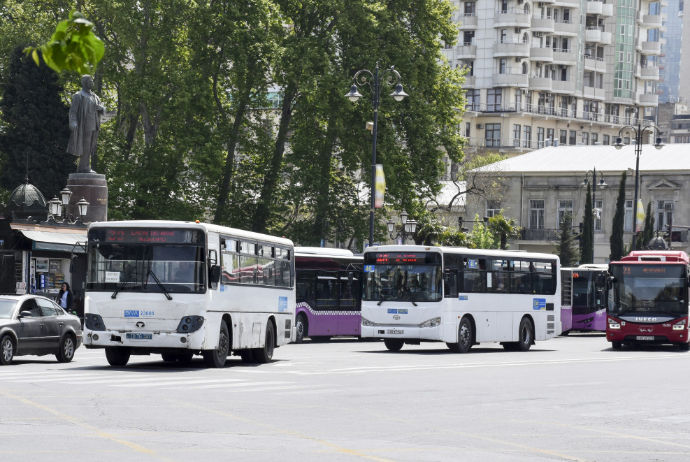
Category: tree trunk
[230,161]
[324,181]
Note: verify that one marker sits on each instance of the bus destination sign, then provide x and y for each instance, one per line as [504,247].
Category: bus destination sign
[150,236]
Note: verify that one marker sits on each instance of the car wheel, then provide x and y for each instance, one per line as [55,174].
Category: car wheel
[265,354]
[169,357]
[216,358]
[393,344]
[464,335]
[117,356]
[525,335]
[616,345]
[302,328]
[65,353]
[6,350]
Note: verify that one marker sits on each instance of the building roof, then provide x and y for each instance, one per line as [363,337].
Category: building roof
[568,159]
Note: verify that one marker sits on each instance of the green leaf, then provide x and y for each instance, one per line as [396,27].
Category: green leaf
[34,55]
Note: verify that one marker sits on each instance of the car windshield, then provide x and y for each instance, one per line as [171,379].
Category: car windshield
[402,277]
[7,308]
[648,289]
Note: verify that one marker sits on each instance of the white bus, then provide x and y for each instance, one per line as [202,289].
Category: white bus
[459,296]
[184,288]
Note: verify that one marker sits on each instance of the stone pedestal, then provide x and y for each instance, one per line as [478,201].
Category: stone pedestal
[93,188]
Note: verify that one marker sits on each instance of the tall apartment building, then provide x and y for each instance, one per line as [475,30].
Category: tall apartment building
[567,72]
[670,58]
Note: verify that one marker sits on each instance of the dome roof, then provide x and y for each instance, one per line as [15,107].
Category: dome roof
[27,201]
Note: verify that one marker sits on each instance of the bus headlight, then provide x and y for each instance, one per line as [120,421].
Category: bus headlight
[679,325]
[367,323]
[614,323]
[431,323]
[94,322]
[190,324]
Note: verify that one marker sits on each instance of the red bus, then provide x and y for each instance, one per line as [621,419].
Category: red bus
[647,299]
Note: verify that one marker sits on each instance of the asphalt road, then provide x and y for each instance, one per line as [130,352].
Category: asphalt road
[569,398]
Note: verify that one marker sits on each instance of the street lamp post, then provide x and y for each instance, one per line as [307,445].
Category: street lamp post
[375,81]
[408,227]
[639,134]
[602,184]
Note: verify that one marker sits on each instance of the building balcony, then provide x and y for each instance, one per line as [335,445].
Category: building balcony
[466,51]
[468,21]
[469,81]
[563,86]
[651,48]
[511,80]
[515,18]
[594,93]
[594,7]
[548,2]
[652,21]
[569,29]
[542,25]
[596,35]
[544,54]
[511,49]
[646,100]
[540,83]
[568,3]
[566,57]
[544,235]
[649,73]
[595,64]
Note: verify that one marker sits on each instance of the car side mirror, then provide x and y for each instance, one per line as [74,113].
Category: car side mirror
[600,281]
[26,314]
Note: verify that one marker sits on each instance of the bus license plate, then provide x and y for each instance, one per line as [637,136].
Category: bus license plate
[138,336]
[395,331]
[645,337]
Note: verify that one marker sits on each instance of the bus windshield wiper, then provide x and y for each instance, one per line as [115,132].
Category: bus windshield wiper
[128,277]
[155,278]
[381,301]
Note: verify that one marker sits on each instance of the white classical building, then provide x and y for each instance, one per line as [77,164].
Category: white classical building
[539,187]
[566,72]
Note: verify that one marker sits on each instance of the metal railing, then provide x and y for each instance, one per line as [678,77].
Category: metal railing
[529,234]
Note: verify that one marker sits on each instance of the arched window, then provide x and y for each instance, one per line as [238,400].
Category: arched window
[524,67]
[525,38]
[526,8]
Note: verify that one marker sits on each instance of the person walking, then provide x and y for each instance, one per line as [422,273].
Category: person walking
[65,298]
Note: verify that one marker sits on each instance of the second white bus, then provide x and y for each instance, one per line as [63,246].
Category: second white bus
[182,288]
[459,296]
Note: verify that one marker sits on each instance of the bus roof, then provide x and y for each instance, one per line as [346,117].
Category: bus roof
[233,232]
[650,256]
[507,254]
[325,251]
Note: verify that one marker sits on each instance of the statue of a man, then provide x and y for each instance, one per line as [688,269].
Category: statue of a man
[85,123]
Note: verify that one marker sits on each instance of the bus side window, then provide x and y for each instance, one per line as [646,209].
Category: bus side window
[450,275]
[474,275]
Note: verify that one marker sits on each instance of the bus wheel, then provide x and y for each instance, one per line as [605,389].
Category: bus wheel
[393,344]
[302,328]
[169,358]
[265,355]
[685,346]
[525,335]
[216,358]
[616,345]
[464,335]
[117,356]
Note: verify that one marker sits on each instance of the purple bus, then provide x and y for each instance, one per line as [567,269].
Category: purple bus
[328,293]
[583,307]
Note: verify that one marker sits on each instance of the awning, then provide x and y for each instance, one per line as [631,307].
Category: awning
[60,242]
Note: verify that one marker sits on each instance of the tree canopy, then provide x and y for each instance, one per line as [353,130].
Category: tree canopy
[234,111]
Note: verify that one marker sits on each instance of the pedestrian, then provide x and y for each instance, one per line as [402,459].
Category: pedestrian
[65,298]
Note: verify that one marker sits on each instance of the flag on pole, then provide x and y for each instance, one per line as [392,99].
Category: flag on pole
[380,187]
[639,222]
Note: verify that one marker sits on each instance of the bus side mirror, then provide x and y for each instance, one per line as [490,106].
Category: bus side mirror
[212,257]
[600,281]
[215,274]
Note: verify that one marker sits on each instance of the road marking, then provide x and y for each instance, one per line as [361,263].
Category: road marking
[95,430]
[179,383]
[220,385]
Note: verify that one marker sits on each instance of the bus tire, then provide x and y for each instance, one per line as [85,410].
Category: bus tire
[265,355]
[169,357]
[525,335]
[393,344]
[65,352]
[465,335]
[302,328]
[684,346]
[117,356]
[616,345]
[216,358]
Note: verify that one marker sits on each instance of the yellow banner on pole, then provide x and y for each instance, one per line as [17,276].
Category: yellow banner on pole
[639,222]
[380,187]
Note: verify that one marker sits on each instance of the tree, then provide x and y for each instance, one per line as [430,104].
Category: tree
[566,248]
[648,230]
[481,236]
[618,222]
[503,228]
[34,119]
[587,237]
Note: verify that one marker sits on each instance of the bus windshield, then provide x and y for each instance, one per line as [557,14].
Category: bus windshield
[648,288]
[140,262]
[402,277]
[586,297]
